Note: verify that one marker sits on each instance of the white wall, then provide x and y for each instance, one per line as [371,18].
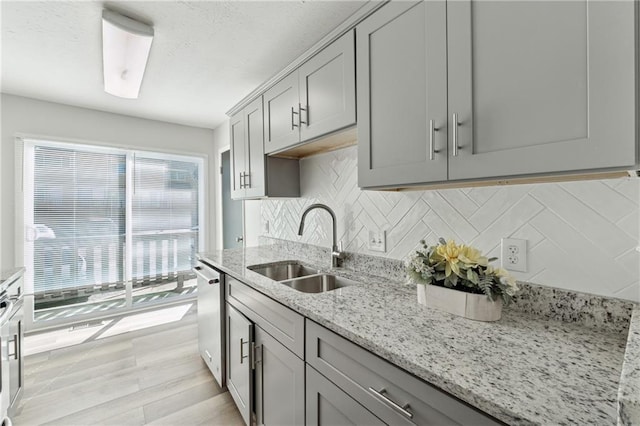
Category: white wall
[582,235]
[221,144]
[30,117]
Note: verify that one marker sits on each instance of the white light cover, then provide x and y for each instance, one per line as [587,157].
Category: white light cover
[125,50]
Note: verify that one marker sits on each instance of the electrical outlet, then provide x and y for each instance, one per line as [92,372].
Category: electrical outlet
[265,227]
[514,254]
[377,241]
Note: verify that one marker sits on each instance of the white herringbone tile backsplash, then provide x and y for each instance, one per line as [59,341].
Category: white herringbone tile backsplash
[581,235]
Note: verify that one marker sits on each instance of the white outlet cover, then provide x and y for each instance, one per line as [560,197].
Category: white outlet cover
[377,241]
[513,254]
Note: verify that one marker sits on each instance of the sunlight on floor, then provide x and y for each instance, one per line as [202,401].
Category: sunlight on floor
[56,339]
[146,320]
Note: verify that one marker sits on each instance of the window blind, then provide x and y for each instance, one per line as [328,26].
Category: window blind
[79,218]
[164,218]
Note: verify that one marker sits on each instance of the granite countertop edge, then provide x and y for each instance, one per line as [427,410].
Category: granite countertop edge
[8,276]
[629,390]
[504,408]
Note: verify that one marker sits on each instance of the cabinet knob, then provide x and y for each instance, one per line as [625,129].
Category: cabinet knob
[239,239]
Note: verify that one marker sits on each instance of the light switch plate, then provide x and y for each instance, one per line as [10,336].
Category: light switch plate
[377,241]
[514,254]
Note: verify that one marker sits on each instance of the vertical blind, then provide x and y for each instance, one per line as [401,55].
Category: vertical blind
[80,218]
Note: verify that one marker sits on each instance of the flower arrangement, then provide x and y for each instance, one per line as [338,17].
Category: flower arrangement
[460,267]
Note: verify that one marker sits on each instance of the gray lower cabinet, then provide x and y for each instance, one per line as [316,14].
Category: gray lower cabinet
[279,379]
[239,369]
[316,99]
[391,394]
[253,174]
[263,336]
[328,405]
[466,89]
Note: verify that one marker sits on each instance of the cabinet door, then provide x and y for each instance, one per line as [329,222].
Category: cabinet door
[328,405]
[279,383]
[402,88]
[238,154]
[328,89]
[255,179]
[239,373]
[540,86]
[282,118]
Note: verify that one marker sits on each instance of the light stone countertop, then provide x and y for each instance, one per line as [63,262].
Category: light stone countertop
[521,369]
[7,276]
[629,391]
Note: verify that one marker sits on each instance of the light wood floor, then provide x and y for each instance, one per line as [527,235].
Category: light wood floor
[149,376]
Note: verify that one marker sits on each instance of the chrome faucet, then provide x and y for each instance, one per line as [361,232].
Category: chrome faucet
[336,252]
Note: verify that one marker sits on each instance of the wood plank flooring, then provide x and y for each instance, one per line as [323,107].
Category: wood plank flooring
[148,376]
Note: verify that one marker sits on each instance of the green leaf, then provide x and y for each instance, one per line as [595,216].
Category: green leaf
[473,276]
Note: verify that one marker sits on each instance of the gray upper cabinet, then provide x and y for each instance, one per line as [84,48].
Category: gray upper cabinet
[282,111]
[254,175]
[328,89]
[316,99]
[238,154]
[541,87]
[479,90]
[402,96]
[279,383]
[247,149]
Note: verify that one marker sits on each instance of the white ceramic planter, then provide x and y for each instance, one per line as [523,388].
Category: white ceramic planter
[473,306]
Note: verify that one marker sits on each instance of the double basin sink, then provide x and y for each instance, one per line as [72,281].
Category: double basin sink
[301,277]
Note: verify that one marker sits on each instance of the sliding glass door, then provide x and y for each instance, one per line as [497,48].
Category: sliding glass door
[108,230]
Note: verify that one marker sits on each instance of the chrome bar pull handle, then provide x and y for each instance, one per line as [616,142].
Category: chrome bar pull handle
[240,179]
[402,409]
[242,356]
[293,114]
[306,111]
[432,130]
[455,134]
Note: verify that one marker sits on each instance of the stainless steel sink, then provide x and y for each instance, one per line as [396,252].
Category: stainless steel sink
[318,283]
[284,271]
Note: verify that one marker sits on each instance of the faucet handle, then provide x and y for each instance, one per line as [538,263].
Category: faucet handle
[340,248]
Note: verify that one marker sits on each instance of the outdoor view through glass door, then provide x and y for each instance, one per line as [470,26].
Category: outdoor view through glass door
[108,230]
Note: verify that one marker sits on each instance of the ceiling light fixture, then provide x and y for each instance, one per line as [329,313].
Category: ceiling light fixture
[125,50]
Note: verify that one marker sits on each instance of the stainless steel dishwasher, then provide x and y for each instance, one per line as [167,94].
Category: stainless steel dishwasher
[211,316]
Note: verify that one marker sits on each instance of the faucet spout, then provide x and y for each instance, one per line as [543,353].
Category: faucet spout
[336,254]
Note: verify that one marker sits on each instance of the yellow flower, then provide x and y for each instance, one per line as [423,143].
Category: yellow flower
[449,252]
[472,256]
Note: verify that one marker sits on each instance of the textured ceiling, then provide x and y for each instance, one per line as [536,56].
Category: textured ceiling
[205,56]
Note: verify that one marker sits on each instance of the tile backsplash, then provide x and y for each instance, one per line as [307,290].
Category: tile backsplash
[581,236]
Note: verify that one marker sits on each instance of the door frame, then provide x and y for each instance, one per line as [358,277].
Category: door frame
[21,167]
[218,204]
